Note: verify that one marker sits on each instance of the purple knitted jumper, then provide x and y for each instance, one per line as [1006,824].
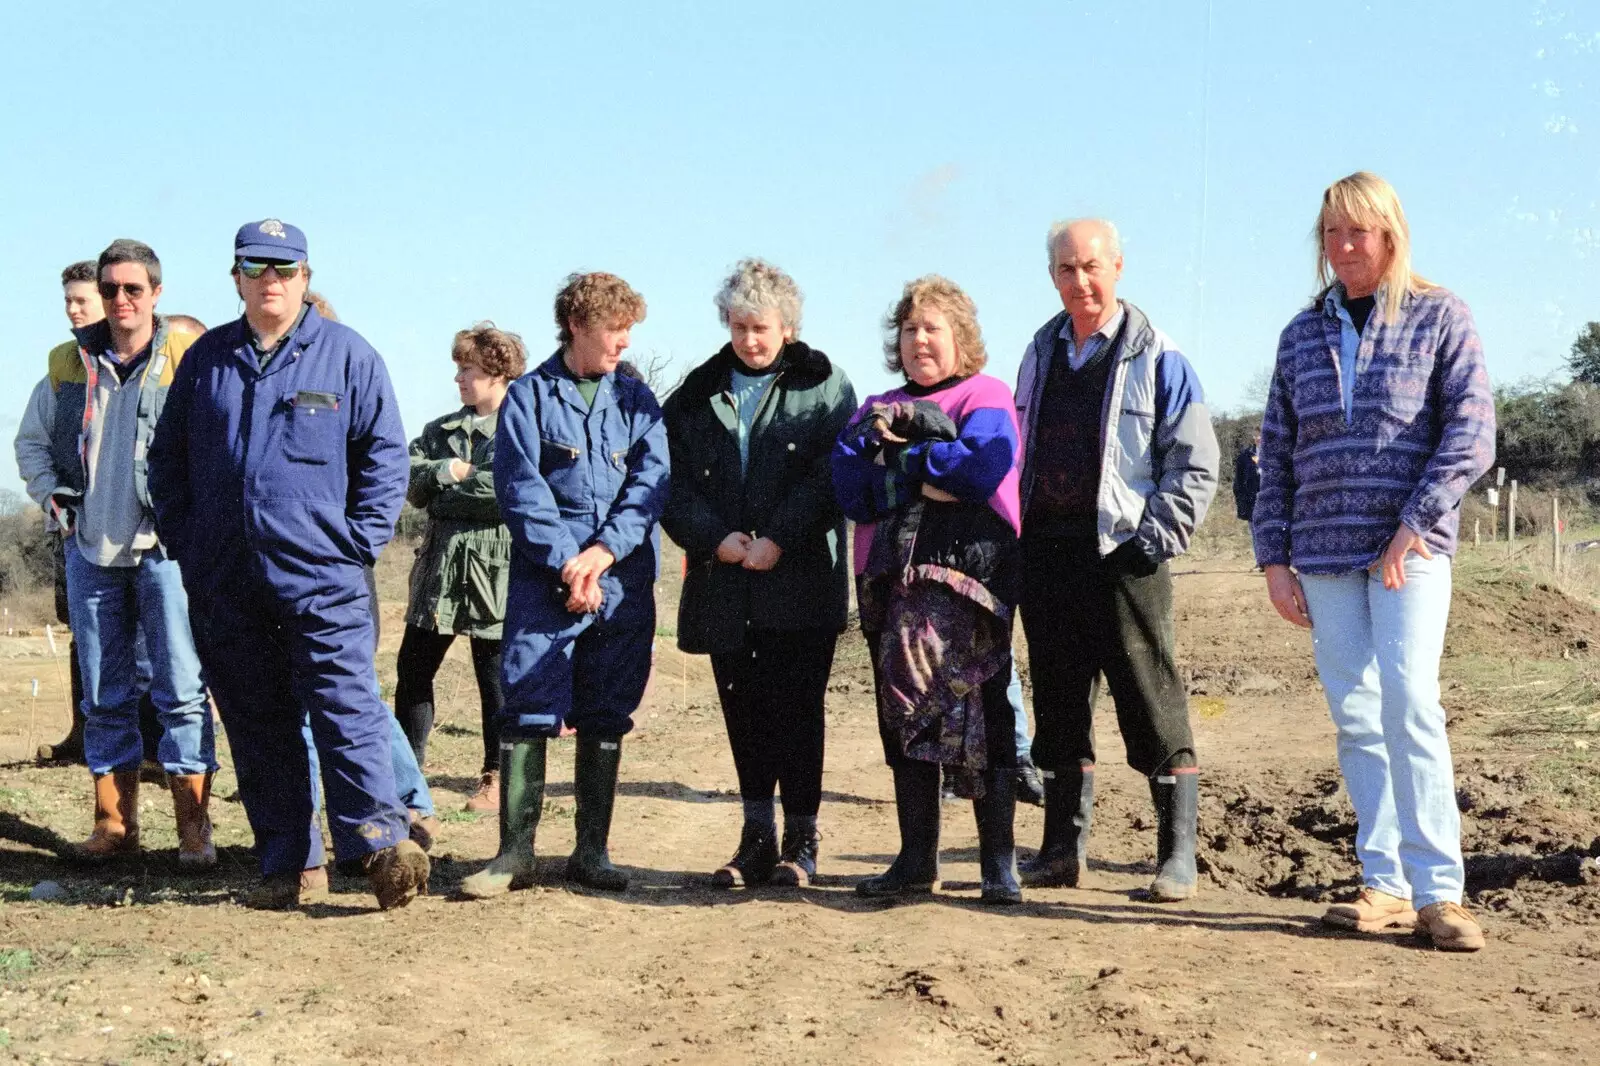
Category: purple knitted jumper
[1421,432]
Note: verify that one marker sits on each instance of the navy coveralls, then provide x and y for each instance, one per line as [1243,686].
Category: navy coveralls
[274,488]
[569,475]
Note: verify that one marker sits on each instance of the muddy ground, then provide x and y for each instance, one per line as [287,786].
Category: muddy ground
[144,965]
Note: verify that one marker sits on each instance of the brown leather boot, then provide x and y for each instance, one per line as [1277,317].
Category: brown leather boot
[191,799]
[116,819]
[279,892]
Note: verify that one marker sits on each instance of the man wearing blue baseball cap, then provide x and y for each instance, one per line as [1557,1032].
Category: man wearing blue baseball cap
[278,472]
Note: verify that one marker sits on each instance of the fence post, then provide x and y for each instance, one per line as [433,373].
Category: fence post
[1555,534]
[1477,532]
[1511,520]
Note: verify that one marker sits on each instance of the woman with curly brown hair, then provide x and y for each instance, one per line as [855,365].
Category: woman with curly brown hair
[928,471]
[458,582]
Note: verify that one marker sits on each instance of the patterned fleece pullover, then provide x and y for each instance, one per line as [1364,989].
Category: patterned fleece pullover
[1421,432]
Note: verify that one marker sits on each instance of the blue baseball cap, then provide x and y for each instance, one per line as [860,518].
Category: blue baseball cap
[270,239]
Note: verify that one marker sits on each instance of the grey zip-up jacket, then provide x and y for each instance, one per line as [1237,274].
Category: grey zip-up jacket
[1158,453]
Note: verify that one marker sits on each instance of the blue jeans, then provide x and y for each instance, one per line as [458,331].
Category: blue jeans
[111,606]
[408,779]
[1378,656]
[1014,695]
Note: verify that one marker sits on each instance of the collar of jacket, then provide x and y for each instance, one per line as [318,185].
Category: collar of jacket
[95,338]
[241,340]
[461,418]
[802,365]
[564,385]
[1134,336]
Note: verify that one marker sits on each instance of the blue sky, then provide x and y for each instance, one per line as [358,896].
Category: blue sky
[452,162]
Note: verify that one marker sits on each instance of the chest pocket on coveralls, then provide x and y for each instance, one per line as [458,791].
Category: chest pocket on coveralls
[556,456]
[315,431]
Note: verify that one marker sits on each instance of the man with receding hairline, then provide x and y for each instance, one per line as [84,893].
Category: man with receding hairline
[1119,466]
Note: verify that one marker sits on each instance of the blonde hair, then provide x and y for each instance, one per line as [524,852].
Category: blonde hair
[940,294]
[1367,200]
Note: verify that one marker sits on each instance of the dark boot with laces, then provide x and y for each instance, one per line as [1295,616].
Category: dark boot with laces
[797,865]
[753,863]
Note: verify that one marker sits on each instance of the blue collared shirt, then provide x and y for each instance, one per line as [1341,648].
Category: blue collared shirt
[1078,356]
[1349,344]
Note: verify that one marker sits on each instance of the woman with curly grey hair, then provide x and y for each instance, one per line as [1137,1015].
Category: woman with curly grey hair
[750,431]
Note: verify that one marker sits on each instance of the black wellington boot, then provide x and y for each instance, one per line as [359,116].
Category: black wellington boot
[1177,798]
[915,871]
[997,847]
[1068,813]
[595,783]
[522,770]
[69,749]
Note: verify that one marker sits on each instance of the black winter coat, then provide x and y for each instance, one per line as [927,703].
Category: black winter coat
[786,495]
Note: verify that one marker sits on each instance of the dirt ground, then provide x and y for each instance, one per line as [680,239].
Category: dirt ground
[143,965]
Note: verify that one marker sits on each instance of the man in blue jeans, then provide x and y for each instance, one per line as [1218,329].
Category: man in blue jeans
[119,577]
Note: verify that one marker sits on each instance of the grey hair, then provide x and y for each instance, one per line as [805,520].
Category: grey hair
[755,287]
[1059,230]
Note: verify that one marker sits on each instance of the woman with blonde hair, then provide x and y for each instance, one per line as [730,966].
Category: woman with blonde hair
[1378,421]
[928,471]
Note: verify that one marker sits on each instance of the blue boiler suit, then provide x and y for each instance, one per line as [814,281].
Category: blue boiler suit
[568,475]
[274,488]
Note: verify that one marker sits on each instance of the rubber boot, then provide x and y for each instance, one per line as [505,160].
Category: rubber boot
[521,780]
[68,749]
[755,860]
[595,783]
[191,800]
[915,871]
[116,819]
[1068,814]
[995,811]
[1177,798]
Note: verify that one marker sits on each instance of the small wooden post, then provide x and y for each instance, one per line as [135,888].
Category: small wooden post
[1477,532]
[1555,534]
[1511,519]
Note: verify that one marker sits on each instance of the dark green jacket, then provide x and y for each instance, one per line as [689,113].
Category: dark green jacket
[787,495]
[458,583]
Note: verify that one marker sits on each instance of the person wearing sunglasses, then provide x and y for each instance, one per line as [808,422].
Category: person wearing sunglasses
[129,614]
[278,473]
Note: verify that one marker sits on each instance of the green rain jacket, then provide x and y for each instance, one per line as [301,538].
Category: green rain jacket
[458,582]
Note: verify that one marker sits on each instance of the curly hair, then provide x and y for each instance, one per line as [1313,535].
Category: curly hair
[596,298]
[940,294]
[756,286]
[80,271]
[319,301]
[496,352]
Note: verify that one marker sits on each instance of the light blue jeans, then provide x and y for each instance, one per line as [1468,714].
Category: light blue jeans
[110,607]
[1378,656]
[1014,696]
[408,779]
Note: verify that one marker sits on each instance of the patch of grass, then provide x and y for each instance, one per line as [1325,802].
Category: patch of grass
[1572,776]
[16,963]
[461,816]
[192,958]
[16,799]
[168,1047]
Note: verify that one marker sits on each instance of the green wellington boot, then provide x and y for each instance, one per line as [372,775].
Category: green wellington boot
[522,764]
[595,783]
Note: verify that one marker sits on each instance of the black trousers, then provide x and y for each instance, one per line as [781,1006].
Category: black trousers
[999,718]
[1085,616]
[422,652]
[772,693]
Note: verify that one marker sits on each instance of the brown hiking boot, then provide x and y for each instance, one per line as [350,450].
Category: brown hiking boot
[487,798]
[1450,927]
[281,892]
[116,819]
[424,828]
[397,873]
[1372,912]
[191,798]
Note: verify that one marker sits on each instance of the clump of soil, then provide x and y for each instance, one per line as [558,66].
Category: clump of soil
[1510,619]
